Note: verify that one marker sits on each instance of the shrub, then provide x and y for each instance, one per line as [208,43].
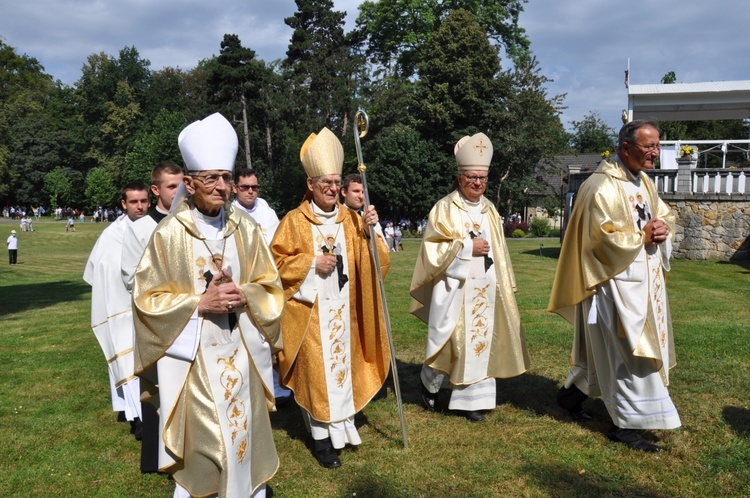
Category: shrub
[509,227]
[540,227]
[518,234]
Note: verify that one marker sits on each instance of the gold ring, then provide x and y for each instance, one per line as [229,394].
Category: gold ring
[230,305]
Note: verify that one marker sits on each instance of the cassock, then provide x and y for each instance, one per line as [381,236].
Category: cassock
[468,303]
[111,317]
[135,239]
[215,380]
[336,355]
[264,216]
[611,287]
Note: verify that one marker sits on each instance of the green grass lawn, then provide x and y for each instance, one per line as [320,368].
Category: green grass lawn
[60,437]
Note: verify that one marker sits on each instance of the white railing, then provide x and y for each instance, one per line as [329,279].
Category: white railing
[720,181]
[665,180]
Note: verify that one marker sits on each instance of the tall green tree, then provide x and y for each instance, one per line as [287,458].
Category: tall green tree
[528,129]
[592,134]
[24,88]
[320,66]
[396,30]
[236,78]
[405,173]
[458,91]
[64,187]
[100,189]
[158,144]
[112,93]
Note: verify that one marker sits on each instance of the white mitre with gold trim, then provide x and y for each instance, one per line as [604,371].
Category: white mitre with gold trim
[473,153]
[209,144]
[322,154]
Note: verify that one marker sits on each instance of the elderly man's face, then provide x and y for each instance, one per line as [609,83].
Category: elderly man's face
[135,204]
[354,195]
[325,190]
[472,184]
[210,190]
[642,154]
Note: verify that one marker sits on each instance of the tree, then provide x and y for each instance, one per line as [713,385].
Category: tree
[396,30]
[407,174]
[458,92]
[592,134]
[235,76]
[63,186]
[527,130]
[100,189]
[158,144]
[320,66]
[23,88]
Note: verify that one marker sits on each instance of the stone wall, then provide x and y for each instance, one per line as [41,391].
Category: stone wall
[714,228]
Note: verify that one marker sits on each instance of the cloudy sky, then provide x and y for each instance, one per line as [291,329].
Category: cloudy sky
[583,45]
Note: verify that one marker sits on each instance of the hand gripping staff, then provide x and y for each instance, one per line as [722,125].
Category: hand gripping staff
[361,125]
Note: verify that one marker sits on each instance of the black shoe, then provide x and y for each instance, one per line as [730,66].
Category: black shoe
[473,416]
[136,428]
[580,415]
[633,439]
[571,400]
[325,454]
[429,400]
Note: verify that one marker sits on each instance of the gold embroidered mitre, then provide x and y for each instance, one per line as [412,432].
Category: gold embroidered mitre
[322,154]
[473,153]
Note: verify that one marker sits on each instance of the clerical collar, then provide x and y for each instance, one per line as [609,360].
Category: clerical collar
[470,204]
[212,227]
[158,214]
[317,211]
[628,175]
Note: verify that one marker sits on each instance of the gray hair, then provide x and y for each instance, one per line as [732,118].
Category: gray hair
[630,130]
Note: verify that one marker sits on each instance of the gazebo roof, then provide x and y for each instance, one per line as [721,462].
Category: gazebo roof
[690,101]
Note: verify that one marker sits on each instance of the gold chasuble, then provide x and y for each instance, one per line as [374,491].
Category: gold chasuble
[602,241]
[215,430]
[474,326]
[315,340]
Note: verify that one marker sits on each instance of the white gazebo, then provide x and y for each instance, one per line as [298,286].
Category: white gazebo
[707,101]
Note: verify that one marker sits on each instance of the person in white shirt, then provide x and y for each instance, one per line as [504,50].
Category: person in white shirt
[111,314]
[166,176]
[12,244]
[246,189]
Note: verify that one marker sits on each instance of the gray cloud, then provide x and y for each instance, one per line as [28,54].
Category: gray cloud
[584,45]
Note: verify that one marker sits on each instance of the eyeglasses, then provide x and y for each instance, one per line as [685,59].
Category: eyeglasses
[211,180]
[245,188]
[648,148]
[330,184]
[473,179]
